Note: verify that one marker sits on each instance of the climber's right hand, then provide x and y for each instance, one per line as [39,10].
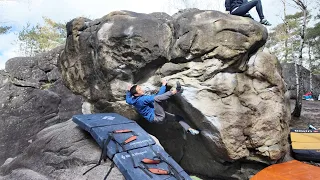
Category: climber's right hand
[164,82]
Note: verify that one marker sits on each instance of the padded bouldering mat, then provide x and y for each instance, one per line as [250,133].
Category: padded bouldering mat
[132,160]
[305,144]
[130,147]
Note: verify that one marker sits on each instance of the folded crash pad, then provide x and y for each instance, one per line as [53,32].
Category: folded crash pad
[130,147]
[291,170]
[305,144]
[89,121]
[101,125]
[135,168]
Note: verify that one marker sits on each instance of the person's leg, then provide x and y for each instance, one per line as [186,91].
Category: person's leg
[259,9]
[163,97]
[159,114]
[244,8]
[180,120]
[177,118]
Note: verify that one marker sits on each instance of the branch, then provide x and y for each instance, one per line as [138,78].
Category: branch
[4,29]
[300,4]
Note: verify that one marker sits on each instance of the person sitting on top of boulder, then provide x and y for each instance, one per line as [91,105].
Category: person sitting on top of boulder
[150,106]
[242,7]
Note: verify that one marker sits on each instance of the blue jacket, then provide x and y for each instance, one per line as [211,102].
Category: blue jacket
[144,104]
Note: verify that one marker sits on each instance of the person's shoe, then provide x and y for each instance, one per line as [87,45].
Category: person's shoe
[265,22]
[193,131]
[178,88]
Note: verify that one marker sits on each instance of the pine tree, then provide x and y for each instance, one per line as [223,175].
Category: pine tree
[4,29]
[37,39]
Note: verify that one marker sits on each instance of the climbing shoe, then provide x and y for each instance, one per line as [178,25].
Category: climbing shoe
[193,131]
[178,88]
[265,22]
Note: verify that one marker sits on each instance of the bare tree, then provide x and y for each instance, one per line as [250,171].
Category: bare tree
[298,63]
[200,4]
[285,22]
[310,65]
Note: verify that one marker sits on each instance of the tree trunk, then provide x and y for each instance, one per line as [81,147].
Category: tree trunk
[286,46]
[297,110]
[286,31]
[298,106]
[310,66]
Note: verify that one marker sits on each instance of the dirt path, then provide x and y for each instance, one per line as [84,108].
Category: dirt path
[310,115]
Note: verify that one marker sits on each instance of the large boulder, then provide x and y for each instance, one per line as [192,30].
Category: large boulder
[233,91]
[32,97]
[62,151]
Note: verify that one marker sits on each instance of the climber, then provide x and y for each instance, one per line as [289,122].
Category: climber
[242,7]
[149,106]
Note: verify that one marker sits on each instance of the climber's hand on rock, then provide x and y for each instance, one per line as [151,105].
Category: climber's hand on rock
[129,87]
[164,82]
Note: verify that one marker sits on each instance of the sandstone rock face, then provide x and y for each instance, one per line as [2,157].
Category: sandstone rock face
[32,97]
[62,151]
[233,91]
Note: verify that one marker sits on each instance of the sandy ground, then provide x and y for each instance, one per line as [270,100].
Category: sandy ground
[310,115]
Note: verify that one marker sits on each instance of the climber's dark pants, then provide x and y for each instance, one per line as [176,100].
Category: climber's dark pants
[245,8]
[161,116]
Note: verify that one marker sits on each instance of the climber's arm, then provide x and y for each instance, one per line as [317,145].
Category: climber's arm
[162,90]
[129,98]
[163,87]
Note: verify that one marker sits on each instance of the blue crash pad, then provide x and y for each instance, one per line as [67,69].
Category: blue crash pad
[101,133]
[127,156]
[100,125]
[89,121]
[125,164]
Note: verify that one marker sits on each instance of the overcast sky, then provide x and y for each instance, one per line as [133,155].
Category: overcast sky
[17,13]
